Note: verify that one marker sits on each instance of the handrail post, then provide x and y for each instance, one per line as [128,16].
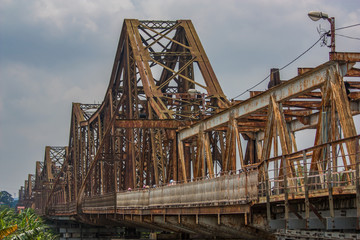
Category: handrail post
[329,180]
[276,176]
[286,192]
[268,206]
[307,203]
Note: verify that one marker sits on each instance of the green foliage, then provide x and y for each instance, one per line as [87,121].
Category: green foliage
[7,231]
[28,226]
[6,198]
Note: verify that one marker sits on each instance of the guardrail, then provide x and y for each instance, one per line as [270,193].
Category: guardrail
[63,209]
[324,167]
[101,201]
[226,189]
[318,170]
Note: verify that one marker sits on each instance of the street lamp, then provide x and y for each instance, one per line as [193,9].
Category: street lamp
[315,16]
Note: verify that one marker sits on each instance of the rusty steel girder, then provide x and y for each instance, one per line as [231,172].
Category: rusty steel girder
[130,139]
[26,196]
[165,117]
[39,187]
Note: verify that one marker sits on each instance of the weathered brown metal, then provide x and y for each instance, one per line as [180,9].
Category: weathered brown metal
[352,72]
[345,56]
[137,123]
[158,124]
[42,185]
[129,140]
[290,89]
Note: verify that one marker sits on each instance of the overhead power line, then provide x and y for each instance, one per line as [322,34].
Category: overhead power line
[281,67]
[354,25]
[355,38]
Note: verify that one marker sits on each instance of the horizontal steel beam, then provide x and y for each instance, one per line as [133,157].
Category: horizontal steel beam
[345,56]
[295,125]
[353,72]
[143,123]
[290,89]
[310,121]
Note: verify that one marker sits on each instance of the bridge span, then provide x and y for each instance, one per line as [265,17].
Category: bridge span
[168,152]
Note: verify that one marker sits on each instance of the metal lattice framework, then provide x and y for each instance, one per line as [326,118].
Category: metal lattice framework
[130,139]
[316,99]
[164,117]
[38,187]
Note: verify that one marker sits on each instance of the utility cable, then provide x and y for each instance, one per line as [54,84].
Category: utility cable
[355,38]
[354,25]
[281,67]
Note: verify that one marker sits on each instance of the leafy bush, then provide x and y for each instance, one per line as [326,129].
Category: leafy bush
[6,198]
[23,226]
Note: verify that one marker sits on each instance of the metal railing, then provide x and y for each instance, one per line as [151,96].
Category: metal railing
[317,169]
[225,189]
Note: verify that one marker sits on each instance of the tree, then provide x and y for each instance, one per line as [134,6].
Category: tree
[6,198]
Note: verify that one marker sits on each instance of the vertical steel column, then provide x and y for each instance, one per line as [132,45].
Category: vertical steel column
[307,203]
[329,180]
[268,206]
[286,193]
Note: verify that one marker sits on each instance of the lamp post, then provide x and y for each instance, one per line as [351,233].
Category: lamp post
[315,16]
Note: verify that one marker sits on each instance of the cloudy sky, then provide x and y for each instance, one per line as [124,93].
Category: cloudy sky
[55,52]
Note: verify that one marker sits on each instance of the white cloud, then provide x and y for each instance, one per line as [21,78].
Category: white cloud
[79,14]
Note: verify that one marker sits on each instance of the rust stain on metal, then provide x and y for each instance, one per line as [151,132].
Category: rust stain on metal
[165,149]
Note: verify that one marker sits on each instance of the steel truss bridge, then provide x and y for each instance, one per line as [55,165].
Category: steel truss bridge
[167,151]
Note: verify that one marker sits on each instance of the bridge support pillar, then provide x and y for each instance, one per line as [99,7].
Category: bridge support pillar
[68,229]
[131,233]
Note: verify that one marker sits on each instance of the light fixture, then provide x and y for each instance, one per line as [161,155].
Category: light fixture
[315,16]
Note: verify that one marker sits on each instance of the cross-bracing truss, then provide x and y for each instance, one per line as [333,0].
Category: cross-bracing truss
[164,116]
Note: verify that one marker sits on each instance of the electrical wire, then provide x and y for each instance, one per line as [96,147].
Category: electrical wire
[340,28]
[280,68]
[355,38]
[354,25]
